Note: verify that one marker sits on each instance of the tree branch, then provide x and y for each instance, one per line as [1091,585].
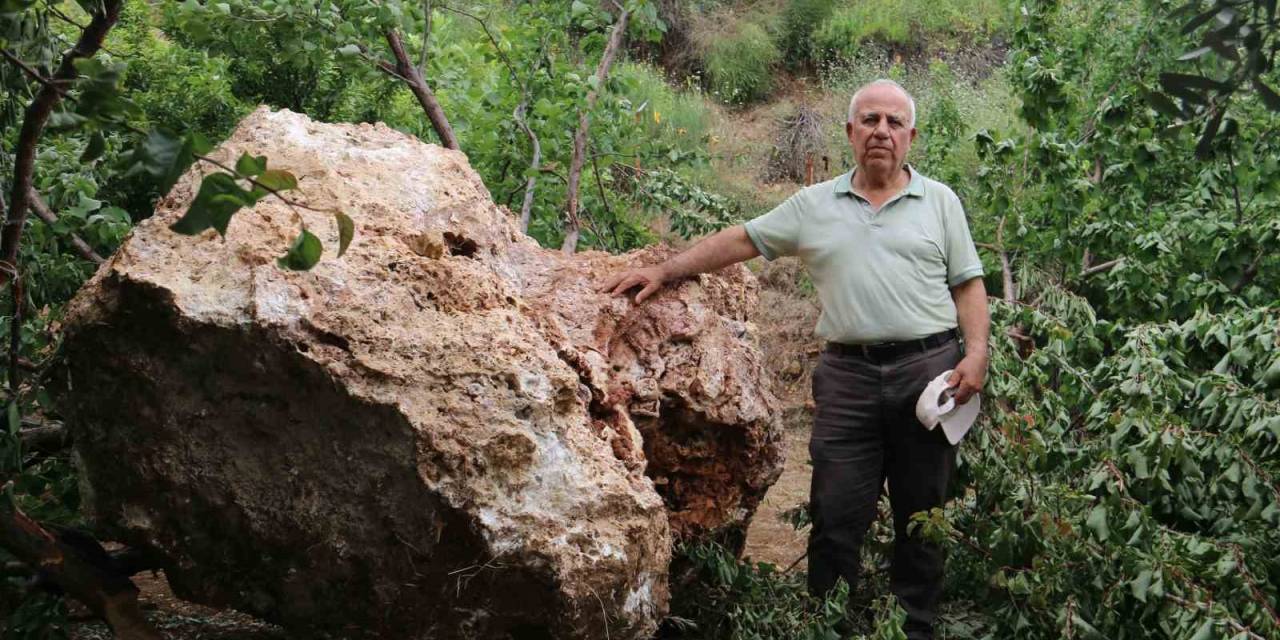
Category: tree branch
[595,166]
[42,211]
[427,10]
[77,565]
[31,73]
[1099,268]
[34,120]
[584,122]
[1006,272]
[406,71]
[1250,272]
[526,208]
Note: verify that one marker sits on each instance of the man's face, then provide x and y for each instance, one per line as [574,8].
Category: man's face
[881,131]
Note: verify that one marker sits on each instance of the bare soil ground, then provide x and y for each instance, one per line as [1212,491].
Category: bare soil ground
[787,314]
[177,619]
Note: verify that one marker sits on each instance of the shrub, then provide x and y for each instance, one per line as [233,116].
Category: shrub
[799,22]
[719,597]
[739,63]
[675,118]
[176,87]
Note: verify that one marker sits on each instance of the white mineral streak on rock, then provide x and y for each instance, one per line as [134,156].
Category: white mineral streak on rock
[443,434]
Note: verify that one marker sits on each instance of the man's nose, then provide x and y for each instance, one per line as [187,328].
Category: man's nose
[882,128]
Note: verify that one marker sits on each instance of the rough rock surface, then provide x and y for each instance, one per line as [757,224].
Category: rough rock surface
[446,433]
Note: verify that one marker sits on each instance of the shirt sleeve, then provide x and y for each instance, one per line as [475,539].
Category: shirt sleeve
[777,233]
[962,258]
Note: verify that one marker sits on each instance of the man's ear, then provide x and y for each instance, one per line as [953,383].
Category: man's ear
[913,134]
[848,131]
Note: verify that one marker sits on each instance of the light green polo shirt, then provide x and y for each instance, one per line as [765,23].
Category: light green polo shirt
[882,275]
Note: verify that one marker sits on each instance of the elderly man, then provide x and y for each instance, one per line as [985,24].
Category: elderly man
[891,257]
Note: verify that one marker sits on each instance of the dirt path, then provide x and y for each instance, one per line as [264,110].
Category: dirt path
[785,318]
[769,539]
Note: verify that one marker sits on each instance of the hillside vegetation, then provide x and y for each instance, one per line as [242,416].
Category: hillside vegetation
[1117,161]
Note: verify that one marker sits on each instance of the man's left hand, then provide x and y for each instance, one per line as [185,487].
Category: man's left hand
[968,376]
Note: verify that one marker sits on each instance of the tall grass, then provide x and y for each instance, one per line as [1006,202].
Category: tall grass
[907,23]
[680,118]
[800,19]
[740,61]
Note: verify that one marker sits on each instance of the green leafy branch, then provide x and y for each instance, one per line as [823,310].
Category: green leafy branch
[1242,36]
[164,156]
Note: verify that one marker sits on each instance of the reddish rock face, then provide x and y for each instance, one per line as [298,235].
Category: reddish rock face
[446,433]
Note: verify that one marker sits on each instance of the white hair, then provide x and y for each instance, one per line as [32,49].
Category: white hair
[885,82]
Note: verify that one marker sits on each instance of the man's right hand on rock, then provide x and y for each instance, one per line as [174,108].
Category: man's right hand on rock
[649,279]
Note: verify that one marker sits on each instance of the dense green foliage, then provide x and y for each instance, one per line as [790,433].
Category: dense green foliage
[800,19]
[740,61]
[903,24]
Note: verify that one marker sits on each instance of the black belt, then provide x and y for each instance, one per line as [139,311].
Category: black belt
[885,351]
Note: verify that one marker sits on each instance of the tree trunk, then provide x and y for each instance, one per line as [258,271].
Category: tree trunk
[79,567]
[535,164]
[34,120]
[44,213]
[584,122]
[406,70]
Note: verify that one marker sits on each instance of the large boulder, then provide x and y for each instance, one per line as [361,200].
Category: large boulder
[445,433]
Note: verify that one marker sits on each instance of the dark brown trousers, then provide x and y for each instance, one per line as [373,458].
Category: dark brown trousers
[865,432]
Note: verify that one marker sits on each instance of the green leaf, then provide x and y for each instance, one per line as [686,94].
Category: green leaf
[219,198]
[1172,81]
[303,254]
[346,231]
[1269,97]
[164,155]
[15,419]
[1141,584]
[278,179]
[65,121]
[349,51]
[1198,21]
[199,144]
[1194,53]
[97,145]
[249,165]
[1204,148]
[1205,632]
[1097,522]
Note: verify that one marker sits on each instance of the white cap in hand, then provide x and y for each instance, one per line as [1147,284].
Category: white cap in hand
[937,405]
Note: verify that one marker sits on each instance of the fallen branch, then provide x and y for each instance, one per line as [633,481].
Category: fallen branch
[1208,609]
[49,438]
[33,123]
[83,572]
[44,213]
[584,122]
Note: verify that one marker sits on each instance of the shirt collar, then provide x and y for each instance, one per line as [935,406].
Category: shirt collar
[915,187]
